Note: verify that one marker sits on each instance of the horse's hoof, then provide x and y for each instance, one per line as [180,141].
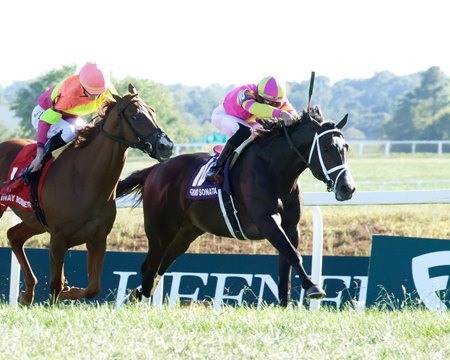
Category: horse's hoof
[25,300]
[315,292]
[135,296]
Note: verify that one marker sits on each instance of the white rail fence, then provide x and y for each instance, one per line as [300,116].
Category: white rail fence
[362,147]
[314,200]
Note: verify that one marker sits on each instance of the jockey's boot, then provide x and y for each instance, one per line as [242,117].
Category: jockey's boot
[214,173]
[55,142]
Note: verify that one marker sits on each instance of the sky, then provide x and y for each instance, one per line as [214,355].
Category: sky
[201,42]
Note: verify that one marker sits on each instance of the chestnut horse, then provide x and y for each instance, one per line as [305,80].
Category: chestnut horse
[78,195]
[266,195]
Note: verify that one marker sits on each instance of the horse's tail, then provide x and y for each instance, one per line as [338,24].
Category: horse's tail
[133,183]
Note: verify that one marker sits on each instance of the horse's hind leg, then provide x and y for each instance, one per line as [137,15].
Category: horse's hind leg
[17,236]
[185,236]
[159,240]
[155,266]
[151,264]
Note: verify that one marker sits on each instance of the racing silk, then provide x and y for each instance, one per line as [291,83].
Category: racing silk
[67,99]
[241,103]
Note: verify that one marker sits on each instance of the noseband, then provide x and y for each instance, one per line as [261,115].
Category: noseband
[144,143]
[331,184]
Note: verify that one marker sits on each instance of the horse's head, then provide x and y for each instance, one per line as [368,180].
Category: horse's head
[327,158]
[143,130]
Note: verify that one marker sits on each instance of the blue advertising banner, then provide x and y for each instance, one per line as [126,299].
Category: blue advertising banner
[409,272]
[231,279]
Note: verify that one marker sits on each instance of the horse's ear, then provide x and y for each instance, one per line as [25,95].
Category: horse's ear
[131,89]
[342,123]
[318,116]
[305,117]
[116,97]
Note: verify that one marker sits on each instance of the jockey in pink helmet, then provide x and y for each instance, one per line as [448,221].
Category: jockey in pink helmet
[238,114]
[57,115]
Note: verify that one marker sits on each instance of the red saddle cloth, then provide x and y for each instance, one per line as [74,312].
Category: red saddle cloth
[16,192]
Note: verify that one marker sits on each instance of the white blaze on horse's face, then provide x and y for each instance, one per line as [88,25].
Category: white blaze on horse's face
[144,110]
[340,143]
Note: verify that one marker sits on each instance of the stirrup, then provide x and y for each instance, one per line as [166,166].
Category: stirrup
[218,178]
[214,176]
[26,175]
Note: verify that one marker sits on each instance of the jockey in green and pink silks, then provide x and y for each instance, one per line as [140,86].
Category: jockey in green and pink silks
[238,114]
[57,115]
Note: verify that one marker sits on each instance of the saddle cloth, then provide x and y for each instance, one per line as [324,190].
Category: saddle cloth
[16,192]
[200,188]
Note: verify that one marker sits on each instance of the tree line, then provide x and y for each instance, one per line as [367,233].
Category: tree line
[385,106]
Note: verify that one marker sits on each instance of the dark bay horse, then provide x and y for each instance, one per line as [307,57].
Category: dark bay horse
[78,195]
[266,195]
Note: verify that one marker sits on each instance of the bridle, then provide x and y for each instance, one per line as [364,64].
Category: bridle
[144,142]
[331,184]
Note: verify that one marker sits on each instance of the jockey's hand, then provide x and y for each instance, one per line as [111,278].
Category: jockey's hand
[255,126]
[36,163]
[287,118]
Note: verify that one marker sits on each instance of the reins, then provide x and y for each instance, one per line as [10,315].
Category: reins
[331,184]
[291,144]
[144,143]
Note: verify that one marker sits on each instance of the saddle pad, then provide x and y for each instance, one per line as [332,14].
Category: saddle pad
[199,187]
[16,192]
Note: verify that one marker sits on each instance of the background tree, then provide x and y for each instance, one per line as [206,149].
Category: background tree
[422,112]
[169,115]
[26,97]
[383,106]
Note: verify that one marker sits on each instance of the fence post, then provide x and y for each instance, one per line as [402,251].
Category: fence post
[14,278]
[317,252]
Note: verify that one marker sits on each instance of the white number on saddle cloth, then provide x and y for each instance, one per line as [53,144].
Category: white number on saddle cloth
[13,173]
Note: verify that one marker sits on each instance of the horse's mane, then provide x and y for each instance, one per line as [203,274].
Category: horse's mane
[86,134]
[273,128]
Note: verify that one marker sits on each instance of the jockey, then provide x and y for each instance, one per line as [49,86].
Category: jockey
[236,116]
[56,116]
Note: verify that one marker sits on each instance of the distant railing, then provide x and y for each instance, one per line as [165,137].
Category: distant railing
[363,147]
[402,146]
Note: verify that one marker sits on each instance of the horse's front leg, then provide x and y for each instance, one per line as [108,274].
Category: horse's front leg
[284,268]
[58,248]
[270,226]
[17,236]
[292,208]
[96,255]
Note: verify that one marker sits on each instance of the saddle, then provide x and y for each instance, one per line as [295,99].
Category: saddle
[23,189]
[200,188]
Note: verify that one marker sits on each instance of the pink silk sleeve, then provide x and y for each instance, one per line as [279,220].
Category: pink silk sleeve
[42,130]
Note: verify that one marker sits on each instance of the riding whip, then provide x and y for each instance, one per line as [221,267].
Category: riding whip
[311,86]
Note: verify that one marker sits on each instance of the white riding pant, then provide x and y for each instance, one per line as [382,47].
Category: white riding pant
[227,124]
[67,127]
